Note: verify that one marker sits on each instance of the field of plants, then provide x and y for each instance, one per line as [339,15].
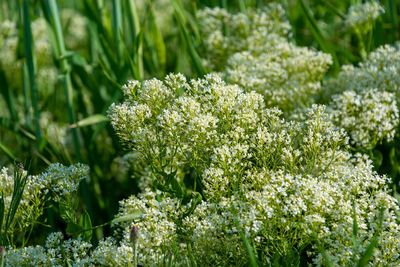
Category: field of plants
[199,133]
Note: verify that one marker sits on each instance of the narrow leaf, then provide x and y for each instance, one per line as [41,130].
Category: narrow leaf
[91,120]
[129,217]
[7,152]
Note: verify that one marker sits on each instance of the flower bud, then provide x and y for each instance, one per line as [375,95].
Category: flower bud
[134,234]
[2,251]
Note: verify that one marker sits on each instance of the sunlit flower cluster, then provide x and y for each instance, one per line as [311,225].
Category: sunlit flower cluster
[281,184]
[369,117]
[237,164]
[31,205]
[364,99]
[252,49]
[225,34]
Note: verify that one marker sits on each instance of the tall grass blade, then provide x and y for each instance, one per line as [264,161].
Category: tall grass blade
[187,39]
[91,120]
[318,34]
[117,27]
[155,41]
[369,251]
[6,91]
[393,12]
[7,151]
[20,180]
[30,65]
[51,10]
[134,23]
[250,251]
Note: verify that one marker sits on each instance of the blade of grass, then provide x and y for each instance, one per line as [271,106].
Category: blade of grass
[134,23]
[2,210]
[117,27]
[318,34]
[6,91]
[368,253]
[245,240]
[91,120]
[7,151]
[30,65]
[186,38]
[50,8]
[155,42]
[20,180]
[355,229]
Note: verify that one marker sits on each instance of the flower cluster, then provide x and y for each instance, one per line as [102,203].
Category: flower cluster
[252,50]
[61,180]
[155,235]
[368,117]
[282,184]
[226,34]
[31,204]
[361,16]
[56,252]
[58,180]
[365,98]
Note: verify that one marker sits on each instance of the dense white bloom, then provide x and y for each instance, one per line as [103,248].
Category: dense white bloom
[56,252]
[157,236]
[252,50]
[61,181]
[364,99]
[282,184]
[225,34]
[369,117]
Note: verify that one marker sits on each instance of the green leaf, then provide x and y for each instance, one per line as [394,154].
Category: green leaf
[368,253]
[377,158]
[196,199]
[86,225]
[172,185]
[67,212]
[91,120]
[7,151]
[136,215]
[74,229]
